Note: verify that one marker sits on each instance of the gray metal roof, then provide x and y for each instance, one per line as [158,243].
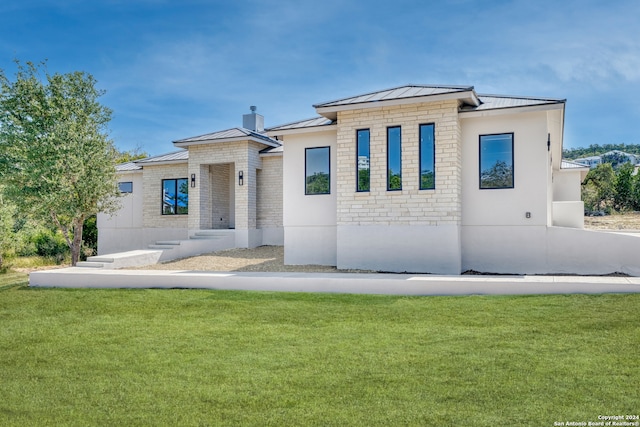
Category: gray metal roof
[230,134]
[568,164]
[127,167]
[407,91]
[300,124]
[495,102]
[176,156]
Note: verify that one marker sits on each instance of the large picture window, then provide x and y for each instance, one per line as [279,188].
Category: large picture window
[317,173]
[427,157]
[496,161]
[362,168]
[175,196]
[394,158]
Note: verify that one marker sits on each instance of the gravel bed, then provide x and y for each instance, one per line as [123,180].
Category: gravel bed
[263,258]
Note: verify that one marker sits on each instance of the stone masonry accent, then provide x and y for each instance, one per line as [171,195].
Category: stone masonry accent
[269,197]
[218,207]
[152,201]
[410,206]
[243,156]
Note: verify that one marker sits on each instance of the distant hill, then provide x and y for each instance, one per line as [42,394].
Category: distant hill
[597,150]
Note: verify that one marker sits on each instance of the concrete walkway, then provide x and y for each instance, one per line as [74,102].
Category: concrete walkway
[353,283]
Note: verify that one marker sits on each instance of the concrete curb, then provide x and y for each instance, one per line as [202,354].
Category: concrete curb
[352,283]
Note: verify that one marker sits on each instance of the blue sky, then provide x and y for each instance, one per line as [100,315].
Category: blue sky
[174,69]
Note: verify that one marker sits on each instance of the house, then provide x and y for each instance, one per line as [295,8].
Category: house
[616,157]
[417,178]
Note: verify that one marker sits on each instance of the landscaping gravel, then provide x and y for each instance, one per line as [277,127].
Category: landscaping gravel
[263,258]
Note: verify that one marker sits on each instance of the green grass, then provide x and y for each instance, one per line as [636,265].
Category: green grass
[192,357]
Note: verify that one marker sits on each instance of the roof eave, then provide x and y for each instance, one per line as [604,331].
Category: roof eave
[307,129]
[555,105]
[250,138]
[331,112]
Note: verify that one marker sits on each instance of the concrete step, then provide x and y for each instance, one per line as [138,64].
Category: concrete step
[125,259]
[205,237]
[162,247]
[89,264]
[169,242]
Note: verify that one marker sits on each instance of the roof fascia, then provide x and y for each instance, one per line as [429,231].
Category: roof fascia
[332,111]
[233,139]
[309,129]
[513,110]
[164,162]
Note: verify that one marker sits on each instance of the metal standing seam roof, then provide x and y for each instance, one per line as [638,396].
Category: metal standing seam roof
[568,164]
[230,134]
[407,91]
[176,156]
[127,167]
[300,124]
[495,102]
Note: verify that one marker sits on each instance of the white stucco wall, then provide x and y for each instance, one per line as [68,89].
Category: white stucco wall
[504,230]
[507,207]
[309,220]
[566,185]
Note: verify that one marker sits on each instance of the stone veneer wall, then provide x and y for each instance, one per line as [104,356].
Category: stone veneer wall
[244,156]
[410,206]
[269,195]
[220,192]
[152,202]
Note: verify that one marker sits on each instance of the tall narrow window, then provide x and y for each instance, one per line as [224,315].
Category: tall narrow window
[175,196]
[427,157]
[496,161]
[394,158]
[362,169]
[317,178]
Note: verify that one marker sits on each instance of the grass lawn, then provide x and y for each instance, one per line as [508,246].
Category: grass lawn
[194,357]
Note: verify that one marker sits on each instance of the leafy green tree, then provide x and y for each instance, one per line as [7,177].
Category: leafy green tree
[130,155]
[598,188]
[58,162]
[395,180]
[363,179]
[7,214]
[623,188]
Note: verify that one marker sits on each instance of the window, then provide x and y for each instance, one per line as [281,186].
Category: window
[362,168]
[394,158]
[125,187]
[175,196]
[496,161]
[317,171]
[427,157]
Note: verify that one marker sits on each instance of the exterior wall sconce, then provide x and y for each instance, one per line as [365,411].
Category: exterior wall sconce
[240,178]
[193,180]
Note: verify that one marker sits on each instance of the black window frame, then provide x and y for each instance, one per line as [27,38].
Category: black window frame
[433,143]
[358,189]
[389,128]
[125,191]
[480,186]
[306,189]
[176,206]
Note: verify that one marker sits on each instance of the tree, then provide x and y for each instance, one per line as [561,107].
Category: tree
[58,162]
[7,215]
[129,156]
[623,197]
[598,188]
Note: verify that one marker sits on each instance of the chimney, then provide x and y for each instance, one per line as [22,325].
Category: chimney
[253,121]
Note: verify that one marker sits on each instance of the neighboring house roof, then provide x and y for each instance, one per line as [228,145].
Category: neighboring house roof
[229,135]
[300,124]
[272,151]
